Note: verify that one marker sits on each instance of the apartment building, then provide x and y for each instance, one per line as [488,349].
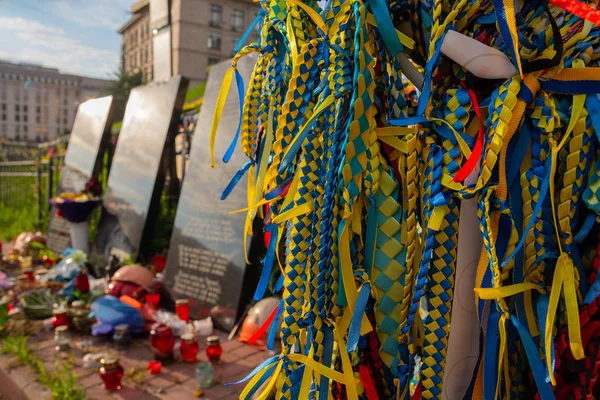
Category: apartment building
[136,44]
[39,103]
[198,33]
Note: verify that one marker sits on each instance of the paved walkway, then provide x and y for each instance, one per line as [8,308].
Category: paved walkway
[176,381]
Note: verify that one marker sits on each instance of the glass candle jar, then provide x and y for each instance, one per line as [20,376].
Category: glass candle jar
[189,347]
[121,336]
[162,342]
[60,317]
[213,349]
[82,282]
[30,275]
[204,375]
[153,300]
[182,308]
[111,372]
[61,338]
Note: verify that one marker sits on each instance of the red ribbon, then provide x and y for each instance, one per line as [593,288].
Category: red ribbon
[367,382]
[579,9]
[263,327]
[471,162]
[418,392]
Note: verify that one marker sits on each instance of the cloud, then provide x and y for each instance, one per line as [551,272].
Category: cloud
[29,40]
[109,14]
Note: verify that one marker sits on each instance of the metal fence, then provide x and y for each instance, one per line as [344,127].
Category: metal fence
[29,176]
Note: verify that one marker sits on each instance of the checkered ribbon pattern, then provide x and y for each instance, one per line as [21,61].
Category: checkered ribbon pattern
[364,136]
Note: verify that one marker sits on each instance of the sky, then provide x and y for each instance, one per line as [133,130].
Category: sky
[76,36]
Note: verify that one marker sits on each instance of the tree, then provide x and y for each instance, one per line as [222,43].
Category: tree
[121,87]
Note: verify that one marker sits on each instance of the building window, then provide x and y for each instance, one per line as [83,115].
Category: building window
[65,112]
[37,119]
[25,108]
[25,128]
[234,43]
[64,121]
[237,20]
[25,118]
[38,98]
[17,108]
[214,40]
[3,117]
[146,59]
[17,117]
[3,106]
[216,15]
[212,61]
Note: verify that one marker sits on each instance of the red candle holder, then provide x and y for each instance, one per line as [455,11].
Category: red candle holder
[82,283]
[111,373]
[182,308]
[154,367]
[30,275]
[60,317]
[162,342]
[189,347]
[153,300]
[213,349]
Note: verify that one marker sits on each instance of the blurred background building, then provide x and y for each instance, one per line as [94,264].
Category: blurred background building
[164,38]
[39,103]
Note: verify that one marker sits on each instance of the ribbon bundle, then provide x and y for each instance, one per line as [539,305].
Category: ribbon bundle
[360,174]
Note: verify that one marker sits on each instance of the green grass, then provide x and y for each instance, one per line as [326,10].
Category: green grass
[61,381]
[195,93]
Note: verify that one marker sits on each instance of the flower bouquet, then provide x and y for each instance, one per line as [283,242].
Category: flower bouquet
[76,208]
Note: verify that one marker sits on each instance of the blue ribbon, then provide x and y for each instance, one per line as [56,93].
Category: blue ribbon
[587,226]
[536,211]
[248,31]
[386,26]
[240,87]
[256,370]
[593,106]
[265,275]
[490,359]
[357,316]
[235,180]
[542,312]
[274,326]
[277,191]
[537,368]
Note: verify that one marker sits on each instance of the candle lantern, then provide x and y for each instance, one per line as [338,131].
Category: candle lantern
[61,338]
[162,342]
[189,347]
[60,317]
[204,375]
[182,308]
[111,372]
[82,282]
[213,349]
[122,337]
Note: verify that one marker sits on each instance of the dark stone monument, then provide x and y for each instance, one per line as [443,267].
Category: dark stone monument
[206,262]
[137,172]
[89,139]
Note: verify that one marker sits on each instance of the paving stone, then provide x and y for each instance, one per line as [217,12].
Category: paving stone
[90,380]
[245,351]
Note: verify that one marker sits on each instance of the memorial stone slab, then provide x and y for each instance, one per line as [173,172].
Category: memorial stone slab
[206,262]
[89,138]
[137,173]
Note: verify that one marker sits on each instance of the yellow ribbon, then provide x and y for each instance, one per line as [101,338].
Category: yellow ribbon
[218,111]
[506,291]
[564,274]
[312,14]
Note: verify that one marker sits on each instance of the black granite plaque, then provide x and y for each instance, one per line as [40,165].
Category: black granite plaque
[206,261]
[88,140]
[137,173]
